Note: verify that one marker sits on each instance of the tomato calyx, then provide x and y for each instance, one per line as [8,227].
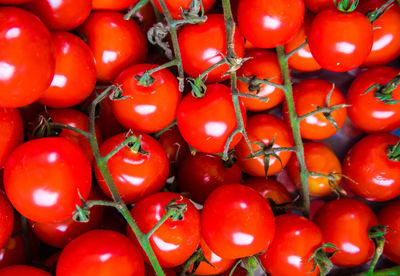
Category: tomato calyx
[332,181]
[375,14]
[251,264]
[321,257]
[393,152]
[176,210]
[232,159]
[384,93]
[346,6]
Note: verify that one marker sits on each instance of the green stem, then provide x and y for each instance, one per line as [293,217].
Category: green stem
[384,272]
[160,132]
[323,110]
[135,9]
[159,223]
[91,203]
[77,130]
[288,55]
[379,244]
[209,69]
[130,139]
[171,63]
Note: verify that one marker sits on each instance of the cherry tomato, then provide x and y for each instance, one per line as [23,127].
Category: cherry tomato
[269,188]
[100,252]
[345,222]
[366,111]
[175,7]
[390,216]
[6,219]
[264,128]
[264,65]
[175,241]
[236,222]
[21,270]
[14,2]
[125,44]
[371,173]
[319,5]
[270,24]
[112,4]
[203,45]
[27,59]
[12,132]
[340,41]
[310,94]
[44,177]
[13,252]
[239,271]
[146,17]
[206,123]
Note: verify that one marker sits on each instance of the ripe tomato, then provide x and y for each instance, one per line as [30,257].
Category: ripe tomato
[14,2]
[345,222]
[100,252]
[27,57]
[390,216]
[20,270]
[13,252]
[236,222]
[372,174]
[340,41]
[125,44]
[206,123]
[147,109]
[175,241]
[269,188]
[112,4]
[6,219]
[12,132]
[319,5]
[42,178]
[366,111]
[294,243]
[203,45]
[175,7]
[310,94]
[146,17]
[268,24]
[264,128]
[264,65]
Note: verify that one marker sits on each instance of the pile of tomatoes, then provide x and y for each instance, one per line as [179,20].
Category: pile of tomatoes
[93,119]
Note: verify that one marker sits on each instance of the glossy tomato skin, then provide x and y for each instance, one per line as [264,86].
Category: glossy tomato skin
[206,123]
[116,5]
[135,175]
[175,7]
[147,109]
[203,45]
[199,174]
[340,41]
[12,132]
[265,65]
[373,175]
[309,94]
[294,243]
[390,216]
[27,57]
[366,112]
[268,24]
[345,222]
[84,256]
[146,17]
[125,44]
[42,178]
[14,2]
[6,219]
[269,188]
[20,270]
[75,74]
[175,241]
[319,5]
[236,222]
[264,128]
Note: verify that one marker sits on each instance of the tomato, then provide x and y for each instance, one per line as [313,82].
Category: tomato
[27,58]
[390,216]
[61,15]
[175,241]
[206,123]
[146,17]
[264,128]
[21,270]
[269,188]
[100,252]
[199,174]
[203,45]
[270,24]
[13,252]
[310,94]
[112,4]
[147,109]
[42,178]
[6,219]
[345,222]
[372,174]
[236,222]
[264,65]
[125,44]
[320,159]
[14,2]
[319,5]
[302,60]
[366,111]
[175,7]
[150,271]
[239,271]
[340,41]
[12,132]
[386,32]
[294,243]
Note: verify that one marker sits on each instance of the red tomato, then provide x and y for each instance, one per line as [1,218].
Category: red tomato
[14,2]
[268,24]
[236,222]
[6,219]
[150,271]
[125,44]
[372,174]
[27,57]
[310,94]
[345,222]
[199,174]
[294,243]
[112,4]
[203,45]
[264,65]
[175,7]
[239,271]
[340,41]
[42,178]
[100,252]
[206,123]
[146,17]
[269,188]
[366,111]
[390,216]
[319,5]
[22,270]
[264,128]
[13,252]
[175,241]
[147,109]
[12,132]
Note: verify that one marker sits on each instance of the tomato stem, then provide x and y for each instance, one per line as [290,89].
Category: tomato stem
[147,80]
[374,15]
[384,272]
[295,50]
[135,9]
